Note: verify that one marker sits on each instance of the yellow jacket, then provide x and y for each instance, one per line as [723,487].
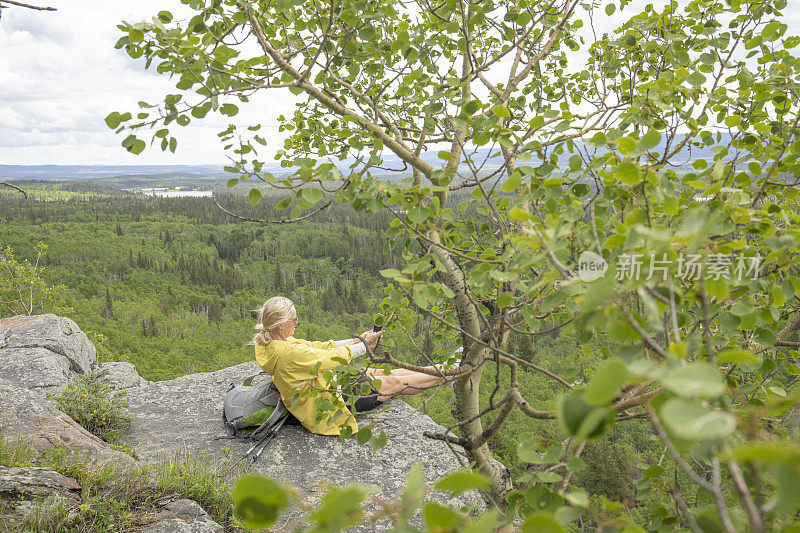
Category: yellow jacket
[292,363]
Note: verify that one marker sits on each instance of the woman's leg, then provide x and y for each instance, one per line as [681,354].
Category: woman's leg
[402,382]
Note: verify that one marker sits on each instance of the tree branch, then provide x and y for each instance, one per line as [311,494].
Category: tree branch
[25,194]
[28,6]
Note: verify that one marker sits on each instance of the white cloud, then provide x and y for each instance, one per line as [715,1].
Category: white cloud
[60,75]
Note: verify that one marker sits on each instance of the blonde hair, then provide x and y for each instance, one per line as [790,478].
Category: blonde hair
[275,312]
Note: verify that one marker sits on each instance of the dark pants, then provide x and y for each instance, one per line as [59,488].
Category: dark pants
[365,403]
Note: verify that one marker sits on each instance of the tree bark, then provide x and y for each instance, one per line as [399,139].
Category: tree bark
[466,406]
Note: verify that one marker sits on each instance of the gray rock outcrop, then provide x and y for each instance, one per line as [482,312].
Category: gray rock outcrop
[119,375]
[20,488]
[30,419]
[182,516]
[43,352]
[184,415]
[176,525]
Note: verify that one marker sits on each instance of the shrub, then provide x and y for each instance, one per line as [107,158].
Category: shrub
[93,405]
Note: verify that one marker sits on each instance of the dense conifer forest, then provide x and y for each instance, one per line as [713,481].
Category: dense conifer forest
[170,284]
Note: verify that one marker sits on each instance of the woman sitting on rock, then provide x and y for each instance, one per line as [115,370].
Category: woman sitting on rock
[297,365]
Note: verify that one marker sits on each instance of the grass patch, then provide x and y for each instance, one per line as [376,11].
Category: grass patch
[118,498]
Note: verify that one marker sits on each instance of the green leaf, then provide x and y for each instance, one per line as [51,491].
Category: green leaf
[650,140]
[515,214]
[258,501]
[581,189]
[441,518]
[201,111]
[461,481]
[765,336]
[548,477]
[512,183]
[696,78]
[340,507]
[739,357]
[418,215]
[541,523]
[364,434]
[577,497]
[528,453]
[413,491]
[541,498]
[527,448]
[598,139]
[579,418]
[716,172]
[576,464]
[606,382]
[113,120]
[390,273]
[504,300]
[653,471]
[254,196]
[733,120]
[488,523]
[471,107]
[135,36]
[379,441]
[137,147]
[695,379]
[501,111]
[691,421]
[133,145]
[626,145]
[628,173]
[228,109]
[312,195]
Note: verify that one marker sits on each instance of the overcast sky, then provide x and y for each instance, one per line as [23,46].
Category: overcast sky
[60,76]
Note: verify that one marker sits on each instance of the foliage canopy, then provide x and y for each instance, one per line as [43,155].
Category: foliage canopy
[665,151]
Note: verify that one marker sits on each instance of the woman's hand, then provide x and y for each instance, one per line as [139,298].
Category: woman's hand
[372,337]
[366,335]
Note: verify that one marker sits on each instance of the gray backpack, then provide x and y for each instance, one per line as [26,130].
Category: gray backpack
[249,406]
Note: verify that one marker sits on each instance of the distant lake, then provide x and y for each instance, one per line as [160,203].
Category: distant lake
[174,194]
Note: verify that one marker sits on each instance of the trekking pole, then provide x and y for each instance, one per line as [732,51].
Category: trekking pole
[269,437]
[253,447]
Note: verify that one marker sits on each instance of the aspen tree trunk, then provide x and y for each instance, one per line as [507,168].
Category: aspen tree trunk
[466,405]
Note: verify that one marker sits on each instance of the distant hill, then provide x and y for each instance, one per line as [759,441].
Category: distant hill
[83,172]
[126,176]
